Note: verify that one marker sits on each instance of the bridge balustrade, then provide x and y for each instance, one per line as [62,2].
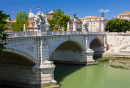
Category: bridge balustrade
[38,33]
[66,32]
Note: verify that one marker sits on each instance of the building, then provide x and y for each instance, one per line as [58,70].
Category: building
[79,24]
[50,15]
[31,22]
[9,24]
[94,23]
[124,15]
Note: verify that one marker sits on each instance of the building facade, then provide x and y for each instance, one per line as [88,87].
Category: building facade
[31,22]
[50,15]
[94,23]
[124,15]
[79,24]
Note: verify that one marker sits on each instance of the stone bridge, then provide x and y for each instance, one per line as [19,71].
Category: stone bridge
[28,55]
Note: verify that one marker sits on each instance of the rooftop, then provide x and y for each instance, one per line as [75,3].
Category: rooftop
[127,12]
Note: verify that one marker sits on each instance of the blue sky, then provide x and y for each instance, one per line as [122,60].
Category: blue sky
[81,7]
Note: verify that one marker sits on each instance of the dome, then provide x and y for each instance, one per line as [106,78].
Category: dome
[31,14]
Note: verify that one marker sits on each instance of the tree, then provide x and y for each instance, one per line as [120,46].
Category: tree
[21,19]
[59,20]
[118,25]
[3,36]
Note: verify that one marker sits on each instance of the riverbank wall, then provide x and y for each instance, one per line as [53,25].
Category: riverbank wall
[117,45]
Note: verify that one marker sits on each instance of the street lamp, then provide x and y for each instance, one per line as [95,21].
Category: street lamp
[11,10]
[40,6]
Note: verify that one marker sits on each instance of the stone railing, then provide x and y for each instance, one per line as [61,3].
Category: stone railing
[38,33]
[22,34]
[65,32]
[72,32]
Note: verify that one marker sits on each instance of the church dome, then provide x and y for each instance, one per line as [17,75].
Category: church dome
[31,15]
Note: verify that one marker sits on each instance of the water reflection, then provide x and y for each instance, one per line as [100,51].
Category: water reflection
[96,76]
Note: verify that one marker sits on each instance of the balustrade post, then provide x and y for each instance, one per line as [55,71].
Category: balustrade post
[75,24]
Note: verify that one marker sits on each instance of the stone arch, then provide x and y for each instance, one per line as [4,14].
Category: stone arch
[97,45]
[20,51]
[64,40]
[90,41]
[69,51]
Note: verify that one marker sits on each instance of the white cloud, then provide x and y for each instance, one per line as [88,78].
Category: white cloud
[104,11]
[101,10]
[107,11]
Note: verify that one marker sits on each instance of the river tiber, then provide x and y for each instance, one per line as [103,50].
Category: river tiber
[66,59]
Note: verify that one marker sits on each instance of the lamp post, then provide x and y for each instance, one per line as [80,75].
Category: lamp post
[40,6]
[11,10]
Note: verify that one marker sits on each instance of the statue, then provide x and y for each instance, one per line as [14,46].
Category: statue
[41,22]
[75,15]
[85,26]
[102,14]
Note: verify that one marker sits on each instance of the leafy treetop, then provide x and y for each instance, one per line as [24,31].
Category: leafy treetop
[3,36]
[59,20]
[21,19]
[118,25]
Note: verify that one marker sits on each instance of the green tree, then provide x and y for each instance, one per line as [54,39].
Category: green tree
[3,36]
[118,25]
[21,19]
[59,20]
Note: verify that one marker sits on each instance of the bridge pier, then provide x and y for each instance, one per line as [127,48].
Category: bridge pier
[44,74]
[89,56]
[44,69]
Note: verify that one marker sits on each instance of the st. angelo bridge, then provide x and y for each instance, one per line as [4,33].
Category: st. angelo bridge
[29,56]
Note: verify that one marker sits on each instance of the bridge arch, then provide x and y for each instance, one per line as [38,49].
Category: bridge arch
[68,51]
[22,52]
[65,40]
[97,45]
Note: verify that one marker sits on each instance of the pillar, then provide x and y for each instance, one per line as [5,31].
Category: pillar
[75,24]
[88,53]
[44,69]
[89,56]
[68,26]
[62,28]
[102,24]
[24,28]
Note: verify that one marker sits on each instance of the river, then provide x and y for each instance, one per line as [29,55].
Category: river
[94,76]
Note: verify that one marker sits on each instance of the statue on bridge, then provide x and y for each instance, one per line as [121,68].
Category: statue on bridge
[41,22]
[102,14]
[75,15]
[85,26]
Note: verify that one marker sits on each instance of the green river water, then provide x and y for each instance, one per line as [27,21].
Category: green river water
[94,76]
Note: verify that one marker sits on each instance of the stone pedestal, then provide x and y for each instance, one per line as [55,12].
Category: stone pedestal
[68,26]
[102,24]
[44,74]
[89,56]
[62,28]
[24,30]
[75,24]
